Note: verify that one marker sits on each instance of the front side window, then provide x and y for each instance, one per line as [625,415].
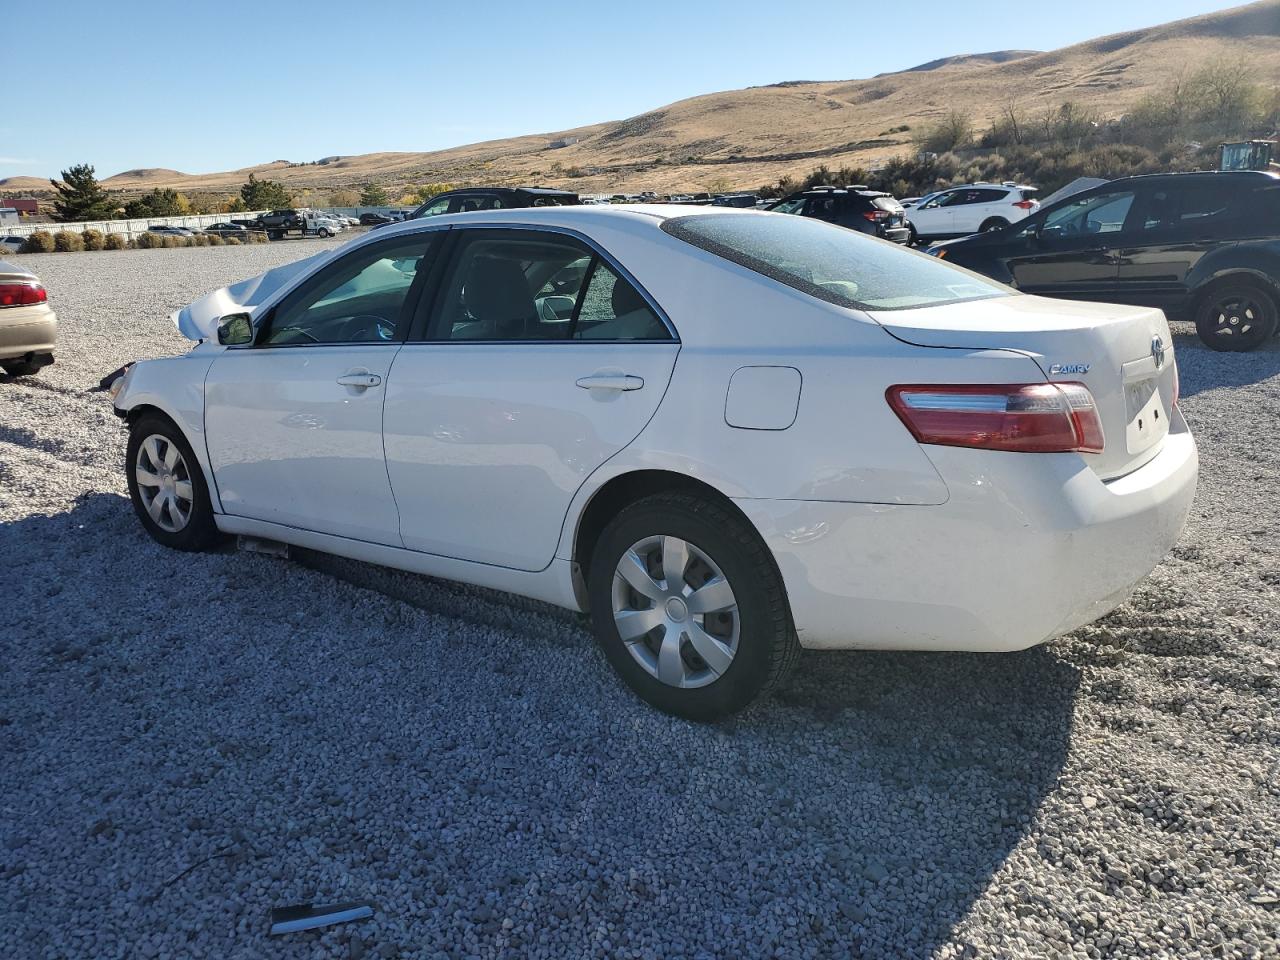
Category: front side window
[362,298]
[833,264]
[1102,213]
[527,285]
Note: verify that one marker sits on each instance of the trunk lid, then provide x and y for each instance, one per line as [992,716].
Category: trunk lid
[1123,354]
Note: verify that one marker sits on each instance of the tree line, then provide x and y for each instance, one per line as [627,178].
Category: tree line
[79,196]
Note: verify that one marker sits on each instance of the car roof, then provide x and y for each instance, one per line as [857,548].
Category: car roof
[1261,176]
[536,191]
[582,217]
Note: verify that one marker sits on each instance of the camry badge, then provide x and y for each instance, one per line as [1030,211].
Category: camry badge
[1058,368]
[1157,350]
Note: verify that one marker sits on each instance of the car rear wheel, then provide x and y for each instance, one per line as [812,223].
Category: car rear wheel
[913,238]
[995,223]
[167,486]
[689,607]
[1236,316]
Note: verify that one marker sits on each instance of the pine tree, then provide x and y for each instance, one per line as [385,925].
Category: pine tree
[264,195]
[81,197]
[373,196]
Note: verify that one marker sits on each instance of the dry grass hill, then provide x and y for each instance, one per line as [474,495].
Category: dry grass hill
[743,138]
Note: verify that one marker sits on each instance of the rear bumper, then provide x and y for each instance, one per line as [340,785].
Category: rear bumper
[25,330]
[1029,546]
[896,234]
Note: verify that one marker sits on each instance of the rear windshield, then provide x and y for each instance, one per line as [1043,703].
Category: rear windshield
[887,203]
[831,263]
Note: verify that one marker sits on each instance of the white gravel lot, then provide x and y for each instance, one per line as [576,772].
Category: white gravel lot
[189,741]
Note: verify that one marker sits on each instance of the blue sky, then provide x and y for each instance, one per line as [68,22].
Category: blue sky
[218,85]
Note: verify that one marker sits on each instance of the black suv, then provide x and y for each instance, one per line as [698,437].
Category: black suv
[493,198]
[855,207]
[1200,246]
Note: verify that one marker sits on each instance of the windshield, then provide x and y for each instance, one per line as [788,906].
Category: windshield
[831,263]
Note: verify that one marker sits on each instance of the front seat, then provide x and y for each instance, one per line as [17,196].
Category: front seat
[496,294]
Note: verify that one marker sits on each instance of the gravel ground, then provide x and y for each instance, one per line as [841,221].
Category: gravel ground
[188,741]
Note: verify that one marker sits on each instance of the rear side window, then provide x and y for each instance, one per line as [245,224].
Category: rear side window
[522,285]
[1262,210]
[833,264]
[1187,205]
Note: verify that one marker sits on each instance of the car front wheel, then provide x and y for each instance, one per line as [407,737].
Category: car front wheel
[167,486]
[1237,316]
[689,607]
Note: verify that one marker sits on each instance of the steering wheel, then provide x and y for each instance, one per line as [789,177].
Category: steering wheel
[367,326]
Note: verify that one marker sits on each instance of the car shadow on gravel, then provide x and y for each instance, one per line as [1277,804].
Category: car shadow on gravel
[196,738]
[1200,368]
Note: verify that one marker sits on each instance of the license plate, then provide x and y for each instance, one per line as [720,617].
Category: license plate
[1147,417]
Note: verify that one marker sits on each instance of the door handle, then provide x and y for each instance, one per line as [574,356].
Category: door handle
[606,381]
[362,380]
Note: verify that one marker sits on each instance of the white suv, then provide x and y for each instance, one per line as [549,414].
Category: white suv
[972,208]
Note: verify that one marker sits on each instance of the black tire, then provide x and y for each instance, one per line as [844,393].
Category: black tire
[995,223]
[767,647]
[200,532]
[1236,316]
[913,238]
[21,368]
[274,234]
[323,233]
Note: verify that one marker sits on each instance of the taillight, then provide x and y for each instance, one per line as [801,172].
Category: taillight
[1022,417]
[22,294]
[1024,204]
[874,215]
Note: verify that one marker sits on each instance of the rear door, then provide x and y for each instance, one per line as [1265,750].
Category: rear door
[1071,250]
[541,361]
[973,207]
[1178,223]
[294,423]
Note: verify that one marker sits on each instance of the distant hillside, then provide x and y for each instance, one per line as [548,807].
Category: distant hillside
[969,60]
[9,184]
[753,136]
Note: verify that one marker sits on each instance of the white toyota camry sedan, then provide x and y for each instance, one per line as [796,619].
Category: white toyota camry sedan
[725,434]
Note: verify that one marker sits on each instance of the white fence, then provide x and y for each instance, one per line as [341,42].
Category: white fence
[131,228]
[134,228]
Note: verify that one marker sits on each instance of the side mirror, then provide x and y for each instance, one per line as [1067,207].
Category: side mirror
[235,330]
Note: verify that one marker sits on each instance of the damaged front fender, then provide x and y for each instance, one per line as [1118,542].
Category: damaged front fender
[199,319]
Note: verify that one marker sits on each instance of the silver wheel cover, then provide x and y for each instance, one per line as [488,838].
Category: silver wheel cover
[675,612]
[164,483]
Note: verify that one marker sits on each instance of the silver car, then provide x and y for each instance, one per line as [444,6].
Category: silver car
[28,325]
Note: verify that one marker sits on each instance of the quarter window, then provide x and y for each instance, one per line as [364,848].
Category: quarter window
[361,299]
[527,285]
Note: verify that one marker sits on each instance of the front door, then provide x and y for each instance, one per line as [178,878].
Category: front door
[541,362]
[1071,250]
[294,422]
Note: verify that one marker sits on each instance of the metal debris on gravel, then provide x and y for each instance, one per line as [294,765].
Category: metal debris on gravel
[261,731]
